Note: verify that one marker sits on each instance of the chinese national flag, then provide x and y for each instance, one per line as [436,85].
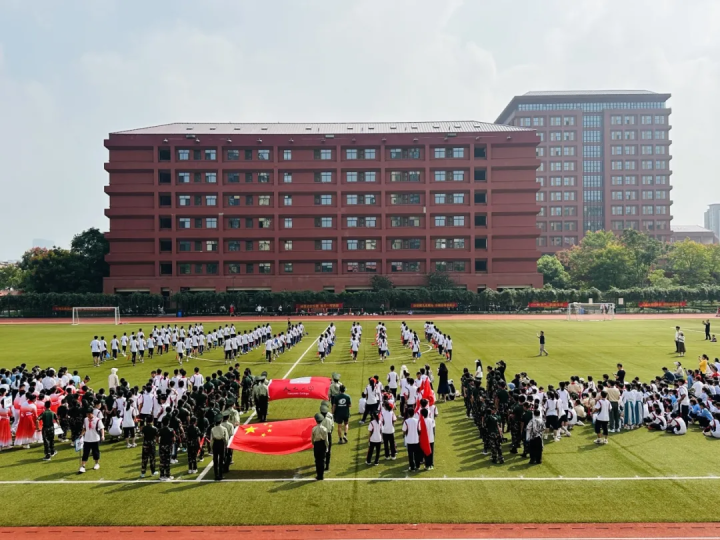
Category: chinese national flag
[274,438]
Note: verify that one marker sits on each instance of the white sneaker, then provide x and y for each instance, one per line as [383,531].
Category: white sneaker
[611,431]
[81,470]
[173,461]
[142,475]
[96,467]
[156,473]
[597,441]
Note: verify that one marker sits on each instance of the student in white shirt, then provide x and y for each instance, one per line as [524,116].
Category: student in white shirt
[713,429]
[375,439]
[428,424]
[392,379]
[128,423]
[387,420]
[412,440]
[141,348]
[93,432]
[133,349]
[602,418]
[114,346]
[677,425]
[95,350]
[124,344]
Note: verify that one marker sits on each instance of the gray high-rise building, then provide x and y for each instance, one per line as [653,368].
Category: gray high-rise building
[712,218]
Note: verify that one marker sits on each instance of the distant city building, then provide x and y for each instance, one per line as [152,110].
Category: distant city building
[696,233]
[604,162]
[712,218]
[42,243]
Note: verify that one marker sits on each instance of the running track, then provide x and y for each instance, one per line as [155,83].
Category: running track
[528,531]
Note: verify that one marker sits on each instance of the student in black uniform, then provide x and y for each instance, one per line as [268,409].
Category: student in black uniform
[193,445]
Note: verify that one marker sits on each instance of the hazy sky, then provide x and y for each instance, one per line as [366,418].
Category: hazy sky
[73,71]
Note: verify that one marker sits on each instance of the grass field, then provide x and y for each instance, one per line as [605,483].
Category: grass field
[639,476]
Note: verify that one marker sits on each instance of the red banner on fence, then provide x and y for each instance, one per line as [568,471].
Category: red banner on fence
[303,387]
[434,305]
[662,304]
[61,308]
[318,306]
[548,305]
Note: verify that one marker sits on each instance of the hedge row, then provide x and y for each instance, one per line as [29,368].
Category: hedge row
[45,305]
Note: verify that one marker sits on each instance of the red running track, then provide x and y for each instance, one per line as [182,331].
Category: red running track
[564,531]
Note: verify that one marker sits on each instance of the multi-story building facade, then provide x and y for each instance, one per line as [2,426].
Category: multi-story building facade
[222,207]
[712,218]
[604,162]
[698,234]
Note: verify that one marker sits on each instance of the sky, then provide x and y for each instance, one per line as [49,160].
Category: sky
[72,72]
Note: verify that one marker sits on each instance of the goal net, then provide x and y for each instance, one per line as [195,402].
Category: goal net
[578,311]
[96,313]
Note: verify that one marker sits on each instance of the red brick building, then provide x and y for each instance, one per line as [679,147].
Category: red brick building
[604,162]
[222,207]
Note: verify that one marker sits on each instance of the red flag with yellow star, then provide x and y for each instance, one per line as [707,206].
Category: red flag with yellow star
[274,438]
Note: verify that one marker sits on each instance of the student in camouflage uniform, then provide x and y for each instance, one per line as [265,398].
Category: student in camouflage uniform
[527,417]
[515,420]
[193,445]
[494,437]
[502,402]
[329,424]
[260,397]
[167,440]
[227,424]
[48,419]
[247,384]
[466,381]
[149,433]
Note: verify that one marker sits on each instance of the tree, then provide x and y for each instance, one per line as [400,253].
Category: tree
[553,272]
[381,283]
[690,263]
[54,270]
[92,246]
[11,276]
[645,252]
[601,261]
[659,280]
[440,281]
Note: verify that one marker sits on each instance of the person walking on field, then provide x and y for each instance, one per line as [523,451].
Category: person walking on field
[541,337]
[707,329]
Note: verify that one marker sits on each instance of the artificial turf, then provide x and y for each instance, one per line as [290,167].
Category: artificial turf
[468,487]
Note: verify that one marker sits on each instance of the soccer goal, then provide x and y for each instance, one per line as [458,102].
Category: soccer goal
[95,313]
[578,311]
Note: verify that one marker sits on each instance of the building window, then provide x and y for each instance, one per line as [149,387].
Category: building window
[233,178]
[659,119]
[264,245]
[568,196]
[660,134]
[480,175]
[647,165]
[264,223]
[287,155]
[405,198]
[631,195]
[568,166]
[351,199]
[183,155]
[404,221]
[263,200]
[324,222]
[481,265]
[263,178]
[630,165]
[480,197]
[234,223]
[233,268]
[264,268]
[323,177]
[287,178]
[631,210]
[248,155]
[249,245]
[325,267]
[646,119]
[659,150]
[538,121]
[406,266]
[323,200]
[404,153]
[440,221]
[183,223]
[646,135]
[405,176]
[263,155]
[323,154]
[616,180]
[351,153]
[458,221]
[288,245]
[661,179]
[249,268]
[210,200]
[288,223]
[233,245]
[183,269]
[631,180]
[288,267]
[210,155]
[555,121]
[661,164]
[211,223]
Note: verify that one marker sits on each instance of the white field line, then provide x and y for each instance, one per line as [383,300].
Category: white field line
[398,479]
[202,475]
